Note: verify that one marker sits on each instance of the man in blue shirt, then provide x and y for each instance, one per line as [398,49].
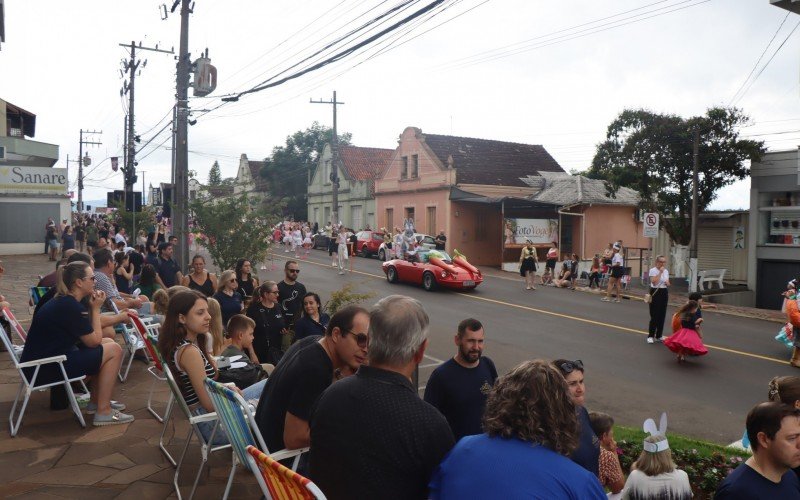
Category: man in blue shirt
[774,433]
[169,272]
[458,388]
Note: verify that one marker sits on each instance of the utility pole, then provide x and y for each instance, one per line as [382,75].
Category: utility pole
[695,183]
[335,162]
[84,161]
[180,217]
[132,67]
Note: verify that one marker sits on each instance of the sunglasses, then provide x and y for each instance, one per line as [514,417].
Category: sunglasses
[362,339]
[570,366]
[296,271]
[232,281]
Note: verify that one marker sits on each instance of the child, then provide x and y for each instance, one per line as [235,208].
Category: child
[698,297]
[655,475]
[611,475]
[691,305]
[687,340]
[240,332]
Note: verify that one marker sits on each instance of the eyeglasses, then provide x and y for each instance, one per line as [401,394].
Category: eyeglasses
[570,366]
[273,291]
[232,281]
[362,339]
[296,271]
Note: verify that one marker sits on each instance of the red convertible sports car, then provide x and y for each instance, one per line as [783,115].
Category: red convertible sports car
[434,269]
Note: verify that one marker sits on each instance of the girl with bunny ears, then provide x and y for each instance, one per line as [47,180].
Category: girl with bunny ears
[654,474]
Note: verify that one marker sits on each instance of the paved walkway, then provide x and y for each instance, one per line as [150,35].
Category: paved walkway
[52,457]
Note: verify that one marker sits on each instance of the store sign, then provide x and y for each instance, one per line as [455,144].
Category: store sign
[650,225]
[539,231]
[33,180]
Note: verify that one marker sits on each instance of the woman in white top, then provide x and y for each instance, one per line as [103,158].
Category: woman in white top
[654,475]
[659,295]
[341,241]
[615,278]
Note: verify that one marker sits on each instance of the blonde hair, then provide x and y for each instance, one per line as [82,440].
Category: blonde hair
[160,302]
[224,278]
[67,275]
[653,464]
[216,329]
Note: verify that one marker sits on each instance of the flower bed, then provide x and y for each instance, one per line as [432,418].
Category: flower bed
[707,464]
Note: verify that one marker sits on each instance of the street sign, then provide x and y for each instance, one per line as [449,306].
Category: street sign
[650,225]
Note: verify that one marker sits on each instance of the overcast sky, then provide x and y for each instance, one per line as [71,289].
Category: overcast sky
[581,63]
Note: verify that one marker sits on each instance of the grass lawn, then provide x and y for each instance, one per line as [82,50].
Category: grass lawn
[678,442]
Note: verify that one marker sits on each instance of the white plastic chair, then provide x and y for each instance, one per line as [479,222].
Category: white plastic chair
[28,386]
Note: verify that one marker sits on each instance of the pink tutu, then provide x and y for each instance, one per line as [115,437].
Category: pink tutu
[687,342]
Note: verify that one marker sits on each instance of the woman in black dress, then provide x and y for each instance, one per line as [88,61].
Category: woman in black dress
[199,279]
[246,281]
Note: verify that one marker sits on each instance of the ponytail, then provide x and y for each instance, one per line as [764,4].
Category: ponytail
[67,275]
[61,287]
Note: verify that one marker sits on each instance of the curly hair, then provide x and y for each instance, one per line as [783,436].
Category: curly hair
[532,403]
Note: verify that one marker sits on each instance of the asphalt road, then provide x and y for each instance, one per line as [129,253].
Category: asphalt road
[706,397]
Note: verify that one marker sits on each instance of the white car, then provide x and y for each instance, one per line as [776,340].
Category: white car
[385,253]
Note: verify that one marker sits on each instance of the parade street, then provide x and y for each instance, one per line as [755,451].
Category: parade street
[706,397]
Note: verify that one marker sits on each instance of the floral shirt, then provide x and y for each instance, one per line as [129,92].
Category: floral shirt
[610,470]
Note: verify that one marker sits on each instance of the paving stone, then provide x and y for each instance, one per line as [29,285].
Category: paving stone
[101,434]
[11,490]
[9,444]
[147,490]
[81,453]
[47,455]
[132,474]
[74,475]
[115,460]
[143,428]
[18,465]
[144,453]
[81,492]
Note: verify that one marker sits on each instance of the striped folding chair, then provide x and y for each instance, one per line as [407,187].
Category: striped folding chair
[280,482]
[35,293]
[238,420]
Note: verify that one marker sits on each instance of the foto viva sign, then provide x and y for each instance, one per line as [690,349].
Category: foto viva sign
[32,180]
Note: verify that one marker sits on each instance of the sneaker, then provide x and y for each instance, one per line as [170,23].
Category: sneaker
[113,418]
[91,408]
[341,272]
[660,340]
[650,340]
[606,299]
[617,301]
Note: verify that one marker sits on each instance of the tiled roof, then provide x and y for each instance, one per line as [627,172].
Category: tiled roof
[220,191]
[498,163]
[361,164]
[569,190]
[255,173]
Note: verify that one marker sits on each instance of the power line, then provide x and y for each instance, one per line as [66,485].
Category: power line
[759,59]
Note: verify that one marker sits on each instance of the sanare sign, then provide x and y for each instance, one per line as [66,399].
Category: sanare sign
[33,180]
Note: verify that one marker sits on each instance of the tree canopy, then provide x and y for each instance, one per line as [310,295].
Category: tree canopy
[233,227]
[214,175]
[653,154]
[287,169]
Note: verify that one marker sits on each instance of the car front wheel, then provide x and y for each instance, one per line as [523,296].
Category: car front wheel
[428,281]
[382,255]
[391,275]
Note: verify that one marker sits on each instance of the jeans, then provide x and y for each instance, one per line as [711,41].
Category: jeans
[221,437]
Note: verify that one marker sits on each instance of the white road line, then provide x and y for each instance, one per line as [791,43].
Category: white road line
[440,361]
[428,365]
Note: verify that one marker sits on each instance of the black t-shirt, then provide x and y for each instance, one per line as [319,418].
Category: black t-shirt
[136,260]
[56,328]
[744,483]
[269,323]
[168,271]
[304,372]
[373,437]
[460,394]
[443,238]
[291,298]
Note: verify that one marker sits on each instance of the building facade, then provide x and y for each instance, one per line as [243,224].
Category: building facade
[358,169]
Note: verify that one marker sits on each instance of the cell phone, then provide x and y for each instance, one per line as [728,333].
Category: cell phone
[136,293]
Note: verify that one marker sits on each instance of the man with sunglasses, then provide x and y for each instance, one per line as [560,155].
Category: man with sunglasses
[304,372]
[587,454]
[291,293]
[458,388]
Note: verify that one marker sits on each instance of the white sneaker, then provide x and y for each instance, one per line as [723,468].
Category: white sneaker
[650,340]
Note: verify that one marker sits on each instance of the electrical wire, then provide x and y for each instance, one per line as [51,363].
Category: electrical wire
[759,59]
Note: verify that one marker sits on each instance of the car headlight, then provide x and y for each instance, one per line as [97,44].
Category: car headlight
[444,274]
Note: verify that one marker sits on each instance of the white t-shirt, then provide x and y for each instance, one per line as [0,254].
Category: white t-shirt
[662,281]
[617,260]
[673,484]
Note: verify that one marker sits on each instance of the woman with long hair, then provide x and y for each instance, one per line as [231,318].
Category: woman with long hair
[122,273]
[655,475]
[147,281]
[56,330]
[527,265]
[216,341]
[246,282]
[270,323]
[587,453]
[188,360]
[617,270]
[594,273]
[313,321]
[200,279]
[230,300]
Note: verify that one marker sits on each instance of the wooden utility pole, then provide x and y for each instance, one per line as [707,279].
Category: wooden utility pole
[180,215]
[81,161]
[695,182]
[335,162]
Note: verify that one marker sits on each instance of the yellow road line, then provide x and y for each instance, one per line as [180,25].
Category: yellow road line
[576,318]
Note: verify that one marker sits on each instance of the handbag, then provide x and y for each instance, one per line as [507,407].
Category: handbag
[648,297]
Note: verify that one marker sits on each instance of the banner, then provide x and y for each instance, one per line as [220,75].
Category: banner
[539,231]
[33,180]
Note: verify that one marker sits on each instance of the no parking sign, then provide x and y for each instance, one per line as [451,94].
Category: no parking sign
[650,225]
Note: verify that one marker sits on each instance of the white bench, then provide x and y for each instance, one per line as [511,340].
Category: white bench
[710,276]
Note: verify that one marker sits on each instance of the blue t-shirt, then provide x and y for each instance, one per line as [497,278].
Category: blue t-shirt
[587,455]
[168,271]
[56,328]
[229,305]
[744,483]
[493,467]
[307,327]
[460,394]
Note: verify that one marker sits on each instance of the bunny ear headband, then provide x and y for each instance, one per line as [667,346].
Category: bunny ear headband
[650,428]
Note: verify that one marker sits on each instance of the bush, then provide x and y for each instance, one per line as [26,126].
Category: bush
[345,296]
[706,464]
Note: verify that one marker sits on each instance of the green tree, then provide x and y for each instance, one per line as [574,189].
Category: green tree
[653,154]
[214,175]
[145,220]
[287,169]
[233,228]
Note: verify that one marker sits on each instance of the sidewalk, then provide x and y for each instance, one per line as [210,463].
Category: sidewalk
[53,457]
